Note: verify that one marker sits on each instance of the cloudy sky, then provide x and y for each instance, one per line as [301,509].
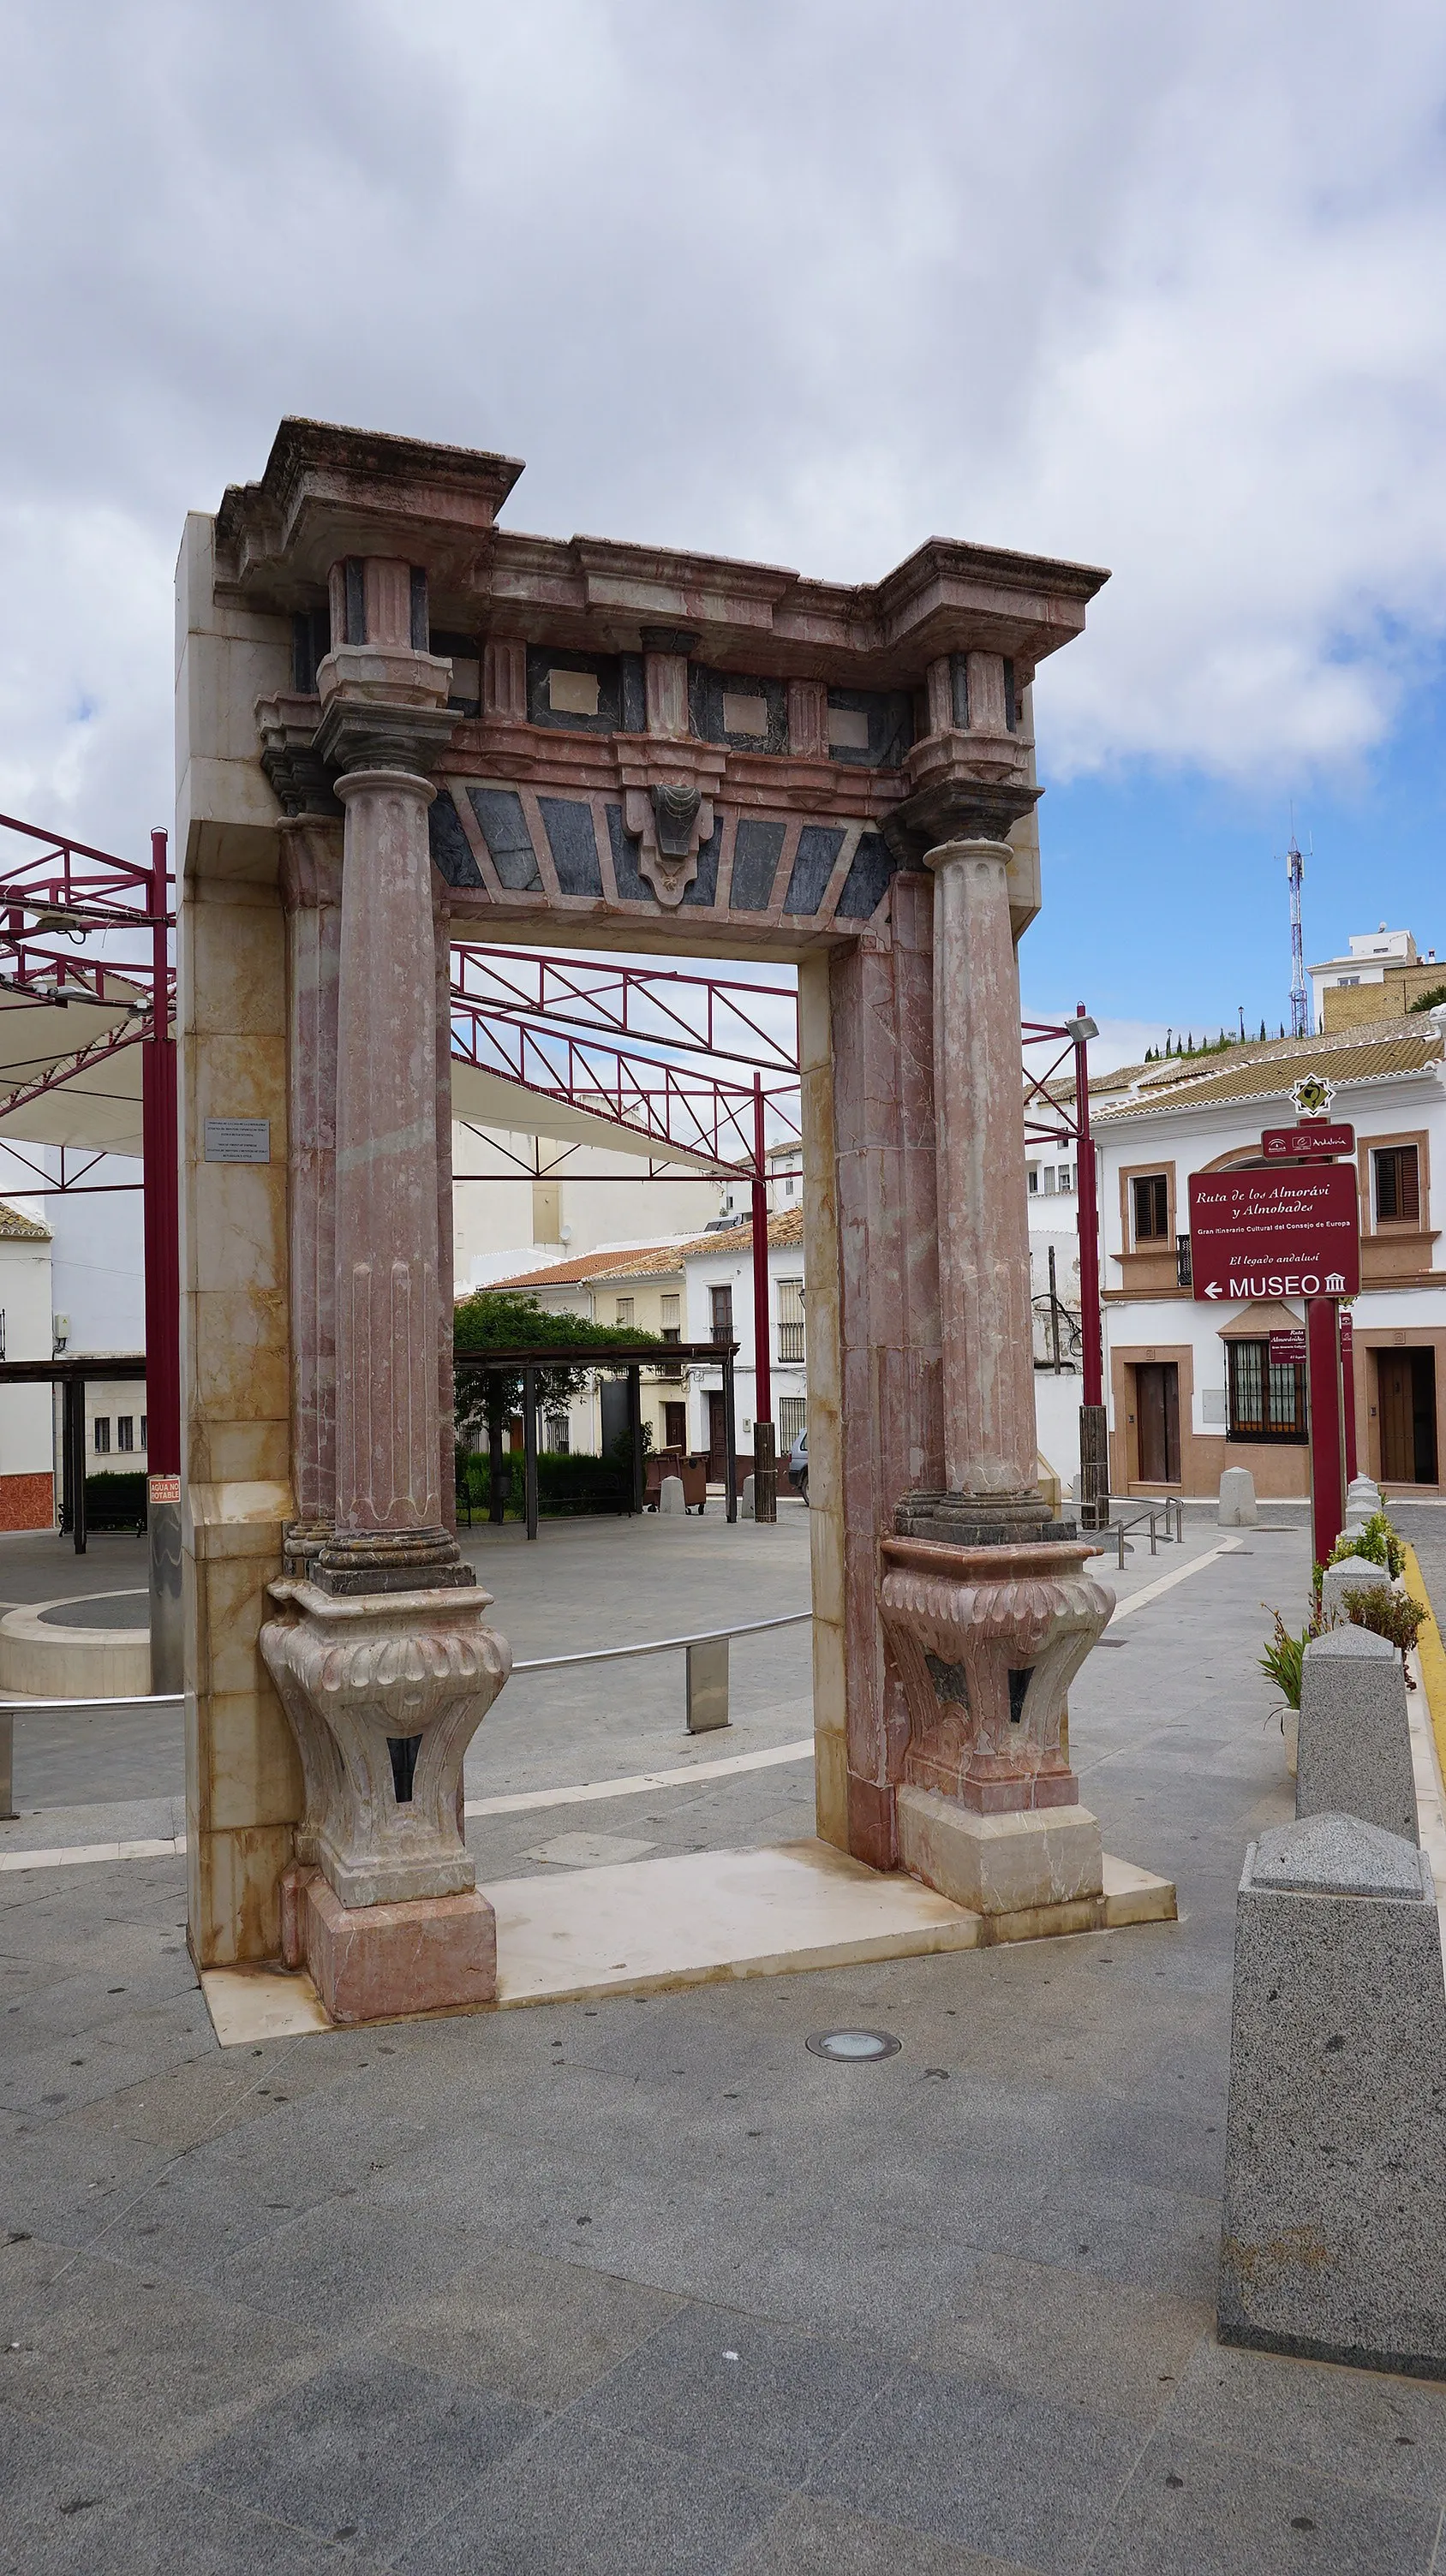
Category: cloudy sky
[1158,288]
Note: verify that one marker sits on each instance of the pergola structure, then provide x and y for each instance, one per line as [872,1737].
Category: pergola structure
[403,725]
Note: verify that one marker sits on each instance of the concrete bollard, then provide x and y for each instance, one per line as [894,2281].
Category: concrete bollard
[745,1504]
[1354,1747]
[1352,1574]
[1364,1494]
[670,1495]
[1335,2135]
[1237,1500]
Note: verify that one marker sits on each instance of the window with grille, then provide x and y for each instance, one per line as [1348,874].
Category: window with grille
[145,1444]
[557,1436]
[720,1307]
[125,1431]
[100,1434]
[1398,1185]
[1266,1399]
[1152,1207]
[671,1318]
[792,1420]
[625,1310]
[790,1319]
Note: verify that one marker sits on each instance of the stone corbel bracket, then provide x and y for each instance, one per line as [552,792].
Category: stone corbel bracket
[987,1642]
[357,1675]
[287,725]
[668,811]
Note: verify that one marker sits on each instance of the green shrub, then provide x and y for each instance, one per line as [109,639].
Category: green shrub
[1393,1615]
[1377,1542]
[1284,1655]
[1430,1001]
[567,1482]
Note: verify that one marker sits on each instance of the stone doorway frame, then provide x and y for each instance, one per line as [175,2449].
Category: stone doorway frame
[859,802]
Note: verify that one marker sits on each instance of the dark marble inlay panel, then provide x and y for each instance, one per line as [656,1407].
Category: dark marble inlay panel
[504,829]
[756,853]
[451,852]
[867,881]
[818,847]
[573,843]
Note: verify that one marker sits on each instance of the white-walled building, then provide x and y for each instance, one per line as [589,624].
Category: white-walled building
[1190,1387]
[694,1289]
[519,1202]
[719,1273]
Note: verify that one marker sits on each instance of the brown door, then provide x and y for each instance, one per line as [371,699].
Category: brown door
[1406,1399]
[1157,1420]
[717,1440]
[675,1426]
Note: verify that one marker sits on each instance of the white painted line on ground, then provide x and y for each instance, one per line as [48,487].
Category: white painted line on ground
[70,1855]
[579,1794]
[636,1783]
[1167,1582]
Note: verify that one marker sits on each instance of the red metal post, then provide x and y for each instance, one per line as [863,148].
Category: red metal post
[1092,1358]
[162,1199]
[763,1384]
[162,1179]
[1348,1392]
[1327,1430]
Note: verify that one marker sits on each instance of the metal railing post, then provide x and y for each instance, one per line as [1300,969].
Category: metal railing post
[706,1686]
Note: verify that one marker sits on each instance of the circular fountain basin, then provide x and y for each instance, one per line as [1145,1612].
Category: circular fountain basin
[96,1645]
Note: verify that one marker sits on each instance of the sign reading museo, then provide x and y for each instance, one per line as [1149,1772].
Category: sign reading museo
[1275,1234]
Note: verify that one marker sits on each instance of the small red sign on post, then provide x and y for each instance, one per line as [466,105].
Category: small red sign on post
[1312,1141]
[164,1489]
[1287,1350]
[1257,1234]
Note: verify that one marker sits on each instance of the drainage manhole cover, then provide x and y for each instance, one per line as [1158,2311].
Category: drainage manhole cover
[853,2046]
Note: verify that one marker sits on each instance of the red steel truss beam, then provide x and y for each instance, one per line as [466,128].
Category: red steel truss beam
[694,1014]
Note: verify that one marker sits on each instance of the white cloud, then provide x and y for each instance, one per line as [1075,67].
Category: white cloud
[1158,289]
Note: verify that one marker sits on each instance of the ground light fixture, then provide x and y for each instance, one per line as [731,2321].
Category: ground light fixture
[853,2047]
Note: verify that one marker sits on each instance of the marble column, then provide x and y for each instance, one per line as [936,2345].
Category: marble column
[990,1442]
[986,1604]
[382,1656]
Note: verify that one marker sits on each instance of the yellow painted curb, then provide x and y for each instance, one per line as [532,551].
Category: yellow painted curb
[1432,1654]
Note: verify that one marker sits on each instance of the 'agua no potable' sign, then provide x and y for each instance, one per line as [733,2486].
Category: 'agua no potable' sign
[1275,1234]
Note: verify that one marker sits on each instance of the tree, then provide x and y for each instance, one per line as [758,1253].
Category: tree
[503,1320]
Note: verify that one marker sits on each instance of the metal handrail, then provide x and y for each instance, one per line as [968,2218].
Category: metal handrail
[659,1645]
[124,1699]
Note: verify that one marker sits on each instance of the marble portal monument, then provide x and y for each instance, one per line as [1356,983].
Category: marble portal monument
[399,719]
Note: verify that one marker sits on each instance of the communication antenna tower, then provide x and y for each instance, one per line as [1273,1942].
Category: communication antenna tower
[1299,998]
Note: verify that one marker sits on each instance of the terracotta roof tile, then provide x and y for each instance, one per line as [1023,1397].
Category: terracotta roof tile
[15,1228]
[647,1261]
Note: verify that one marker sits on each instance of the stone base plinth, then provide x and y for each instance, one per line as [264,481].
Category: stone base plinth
[378,1962]
[1001,1864]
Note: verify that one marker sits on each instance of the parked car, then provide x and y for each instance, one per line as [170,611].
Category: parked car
[798,1465]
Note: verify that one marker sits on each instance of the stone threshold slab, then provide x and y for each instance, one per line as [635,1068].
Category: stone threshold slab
[645,1927]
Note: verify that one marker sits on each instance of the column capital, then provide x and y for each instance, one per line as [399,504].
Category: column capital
[951,810]
[370,734]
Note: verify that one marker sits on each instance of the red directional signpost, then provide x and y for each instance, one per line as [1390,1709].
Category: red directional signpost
[1290,1232]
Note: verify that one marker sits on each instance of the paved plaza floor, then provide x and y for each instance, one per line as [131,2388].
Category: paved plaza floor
[645,2287]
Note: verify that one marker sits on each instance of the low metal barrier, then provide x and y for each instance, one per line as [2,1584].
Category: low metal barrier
[1171,1508]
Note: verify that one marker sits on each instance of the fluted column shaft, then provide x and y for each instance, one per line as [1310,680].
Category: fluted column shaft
[388,1452]
[990,1441]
